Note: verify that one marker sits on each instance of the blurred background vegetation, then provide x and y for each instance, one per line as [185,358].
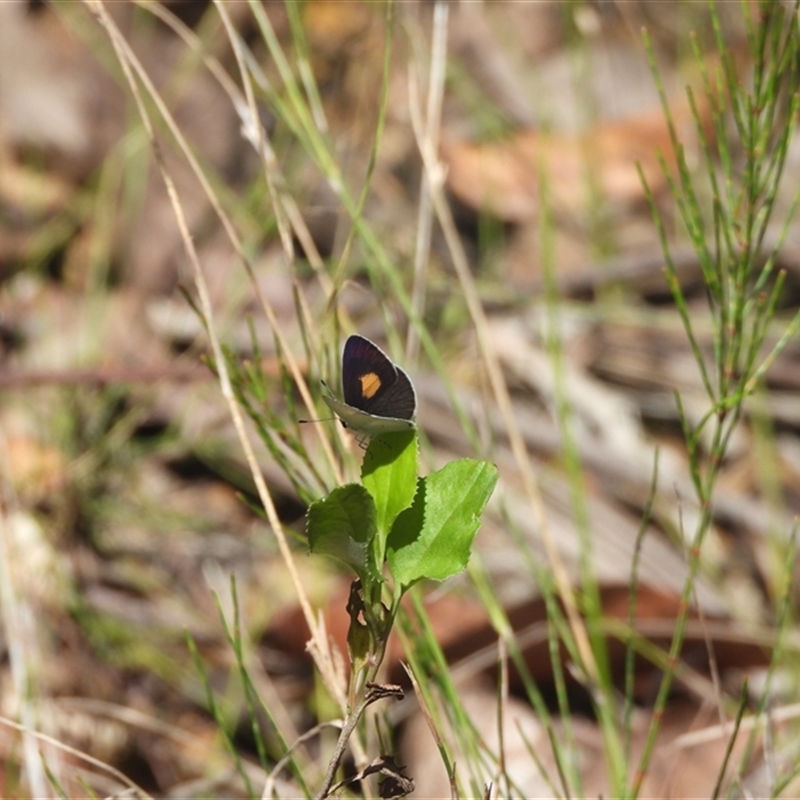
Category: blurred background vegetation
[200,200]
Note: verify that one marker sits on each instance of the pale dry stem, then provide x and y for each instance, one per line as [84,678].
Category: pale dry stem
[134,72]
[435,172]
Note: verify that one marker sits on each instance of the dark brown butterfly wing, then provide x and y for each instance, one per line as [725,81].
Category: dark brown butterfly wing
[371,381]
[399,400]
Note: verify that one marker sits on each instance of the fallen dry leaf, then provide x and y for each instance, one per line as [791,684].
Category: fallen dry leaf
[504,178]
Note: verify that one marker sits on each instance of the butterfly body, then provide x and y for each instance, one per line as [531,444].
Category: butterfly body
[378,395]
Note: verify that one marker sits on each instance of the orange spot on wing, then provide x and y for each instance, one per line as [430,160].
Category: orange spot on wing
[370,384]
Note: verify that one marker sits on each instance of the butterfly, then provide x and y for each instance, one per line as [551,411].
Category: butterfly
[378,395]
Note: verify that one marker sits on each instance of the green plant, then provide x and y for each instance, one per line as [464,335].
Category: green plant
[744,154]
[392,530]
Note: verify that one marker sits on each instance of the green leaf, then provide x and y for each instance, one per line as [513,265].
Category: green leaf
[389,473]
[433,538]
[342,525]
